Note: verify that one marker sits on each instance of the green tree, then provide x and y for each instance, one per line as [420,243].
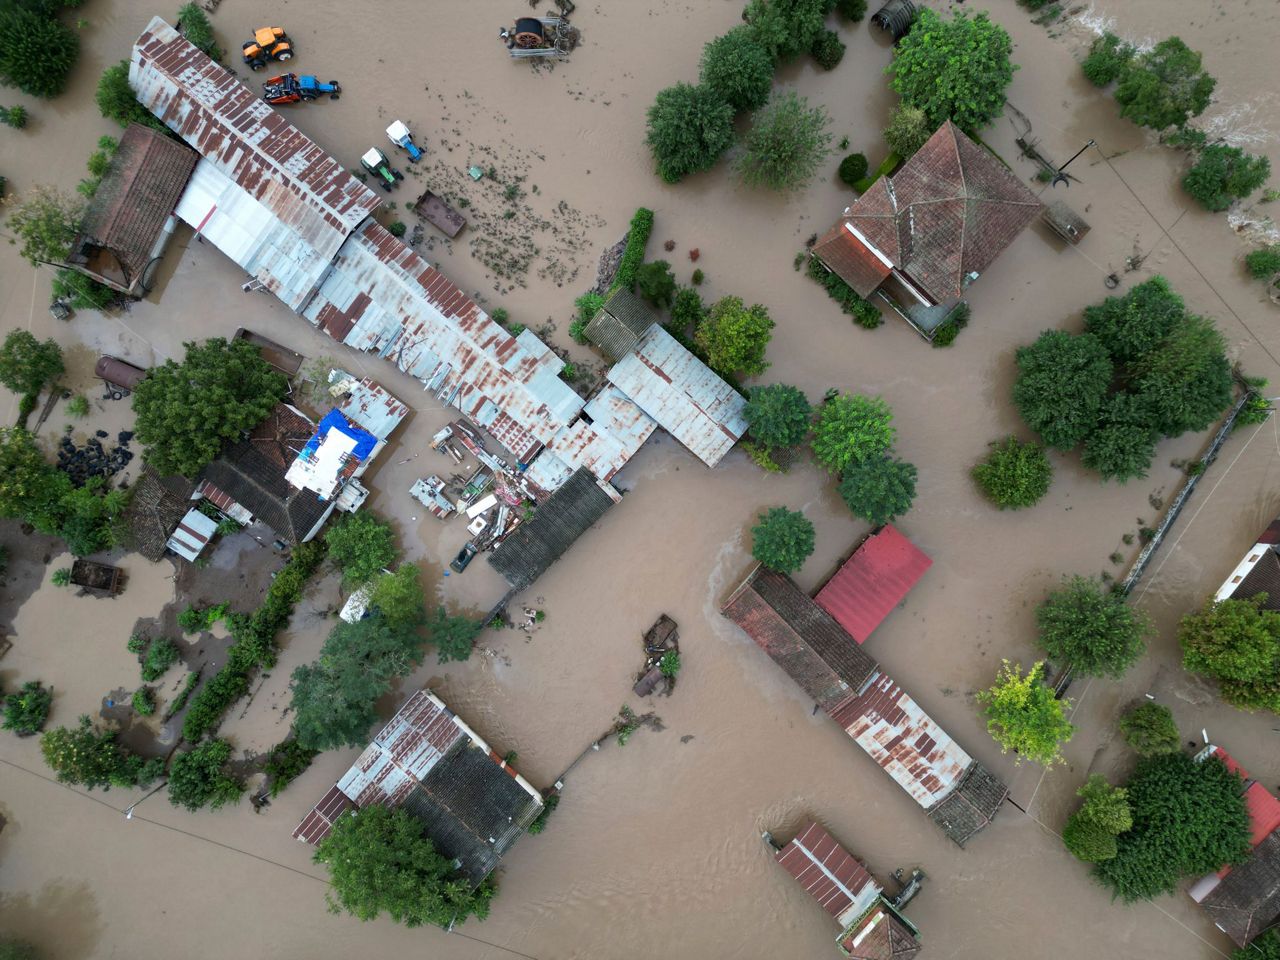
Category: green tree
[381,860]
[852,169]
[360,545]
[27,365]
[26,711]
[186,412]
[1062,381]
[852,10]
[689,128]
[687,311]
[1149,730]
[198,777]
[1189,819]
[1266,947]
[83,293]
[46,221]
[782,540]
[86,757]
[333,704]
[453,637]
[1015,474]
[1185,383]
[1108,58]
[1024,716]
[37,50]
[116,100]
[1090,833]
[1237,643]
[852,428]
[737,69]
[786,28]
[1223,174]
[1133,325]
[398,596]
[878,489]
[1164,87]
[734,337]
[787,143]
[656,283]
[15,116]
[908,130]
[1094,630]
[11,949]
[954,69]
[777,415]
[30,488]
[196,28]
[1263,264]
[827,49]
[1088,841]
[1123,444]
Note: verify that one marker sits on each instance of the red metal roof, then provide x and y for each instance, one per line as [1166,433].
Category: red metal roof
[829,873]
[315,826]
[873,581]
[1263,806]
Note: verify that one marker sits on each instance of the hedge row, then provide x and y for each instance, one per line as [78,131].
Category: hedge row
[255,642]
[864,313]
[633,255]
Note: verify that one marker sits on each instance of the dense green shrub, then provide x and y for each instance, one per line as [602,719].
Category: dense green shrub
[633,254]
[878,489]
[1263,264]
[1090,833]
[26,710]
[195,26]
[737,69]
[1165,86]
[853,10]
[587,305]
[777,415]
[656,283]
[86,757]
[144,701]
[864,313]
[83,293]
[944,335]
[852,169]
[548,807]
[286,762]
[15,116]
[687,311]
[827,49]
[1108,57]
[1149,730]
[1236,642]
[1015,474]
[909,128]
[787,143]
[37,51]
[1223,174]
[162,653]
[198,777]
[116,100]
[782,540]
[688,129]
[1062,381]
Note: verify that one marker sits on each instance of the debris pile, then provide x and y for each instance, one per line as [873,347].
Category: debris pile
[94,460]
[662,659]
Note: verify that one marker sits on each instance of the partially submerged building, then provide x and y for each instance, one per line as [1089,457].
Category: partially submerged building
[156,506]
[130,219]
[1244,900]
[473,806]
[871,928]
[873,581]
[806,641]
[1257,572]
[919,238]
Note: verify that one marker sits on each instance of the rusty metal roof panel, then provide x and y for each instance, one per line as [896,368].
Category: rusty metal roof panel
[371,406]
[314,203]
[383,298]
[682,394]
[904,740]
[829,874]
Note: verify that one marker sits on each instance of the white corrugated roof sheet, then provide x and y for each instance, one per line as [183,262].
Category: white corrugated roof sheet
[193,534]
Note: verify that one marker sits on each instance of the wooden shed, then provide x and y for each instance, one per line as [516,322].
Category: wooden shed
[1065,222]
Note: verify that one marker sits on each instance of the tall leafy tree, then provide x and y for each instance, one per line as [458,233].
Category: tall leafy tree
[1266,947]
[1149,730]
[46,221]
[785,28]
[1185,382]
[1164,87]
[1015,474]
[1123,444]
[689,128]
[84,756]
[453,636]
[1189,819]
[878,489]
[1095,630]
[1132,325]
[186,412]
[1238,644]
[1062,381]
[381,861]
[1023,715]
[28,364]
[850,428]
[954,69]
[198,777]
[777,415]
[735,336]
[737,69]
[37,50]
[116,99]
[360,545]
[656,283]
[787,143]
[1090,833]
[1223,174]
[398,596]
[782,540]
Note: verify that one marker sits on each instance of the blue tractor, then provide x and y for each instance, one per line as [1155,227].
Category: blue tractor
[398,133]
[290,88]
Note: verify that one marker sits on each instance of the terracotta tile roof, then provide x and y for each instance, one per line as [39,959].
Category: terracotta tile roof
[282,435]
[1263,578]
[137,195]
[852,260]
[880,936]
[156,506]
[1247,900]
[257,483]
[873,581]
[949,212]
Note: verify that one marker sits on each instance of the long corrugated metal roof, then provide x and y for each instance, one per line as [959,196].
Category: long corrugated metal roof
[873,581]
[313,202]
[829,874]
[612,429]
[383,298]
[904,740]
[682,394]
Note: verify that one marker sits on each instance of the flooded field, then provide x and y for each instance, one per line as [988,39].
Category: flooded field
[655,850]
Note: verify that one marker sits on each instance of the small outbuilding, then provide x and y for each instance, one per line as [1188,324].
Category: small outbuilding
[156,505]
[1065,222]
[192,535]
[895,18]
[872,582]
[618,326]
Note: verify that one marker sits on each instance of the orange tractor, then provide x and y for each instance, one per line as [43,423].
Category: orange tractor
[268,43]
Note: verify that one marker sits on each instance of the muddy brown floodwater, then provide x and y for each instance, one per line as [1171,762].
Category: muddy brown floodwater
[655,851]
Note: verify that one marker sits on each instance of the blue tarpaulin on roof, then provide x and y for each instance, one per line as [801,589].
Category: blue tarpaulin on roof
[335,420]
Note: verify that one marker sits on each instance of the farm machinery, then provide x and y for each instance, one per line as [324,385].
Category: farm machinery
[268,43]
[534,37]
[376,162]
[290,88]
[398,133]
